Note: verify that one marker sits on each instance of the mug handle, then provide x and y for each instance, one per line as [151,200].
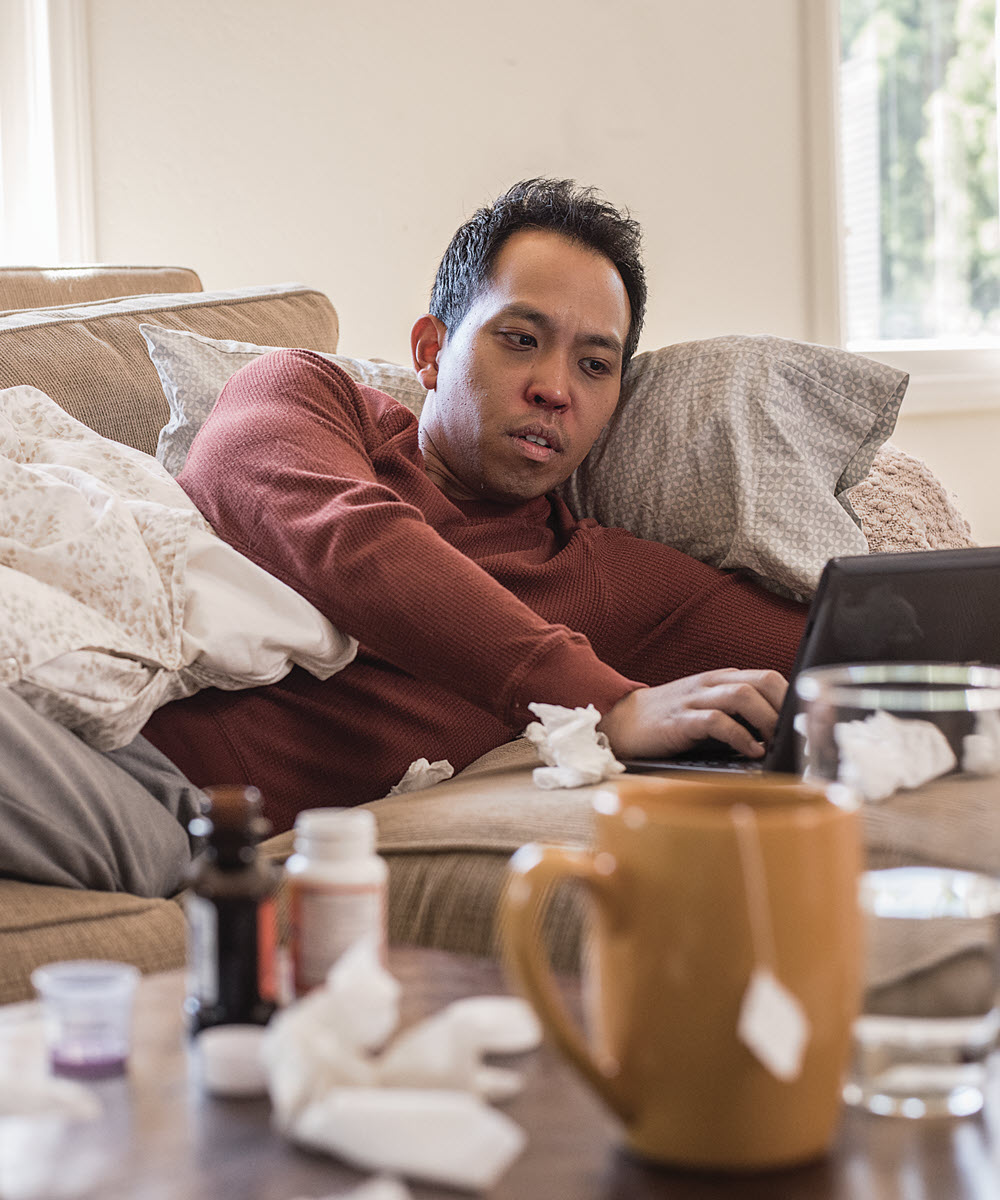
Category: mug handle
[532,873]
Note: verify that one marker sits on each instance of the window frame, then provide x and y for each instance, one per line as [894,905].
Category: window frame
[943,379]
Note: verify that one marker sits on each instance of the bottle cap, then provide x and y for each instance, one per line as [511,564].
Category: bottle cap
[230,1060]
[232,809]
[336,832]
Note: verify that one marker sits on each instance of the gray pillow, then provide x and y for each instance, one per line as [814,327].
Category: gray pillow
[194,369]
[736,450]
[739,451]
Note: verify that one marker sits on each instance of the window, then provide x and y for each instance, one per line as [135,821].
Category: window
[45,182]
[918,135]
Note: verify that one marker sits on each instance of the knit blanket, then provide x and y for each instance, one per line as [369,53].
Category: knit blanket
[903,506]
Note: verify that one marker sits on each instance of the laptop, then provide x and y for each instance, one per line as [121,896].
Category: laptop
[927,606]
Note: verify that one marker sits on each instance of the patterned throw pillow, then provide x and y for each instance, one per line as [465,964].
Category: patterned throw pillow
[193,371]
[739,451]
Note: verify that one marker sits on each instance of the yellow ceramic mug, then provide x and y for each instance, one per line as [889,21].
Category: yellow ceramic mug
[702,886]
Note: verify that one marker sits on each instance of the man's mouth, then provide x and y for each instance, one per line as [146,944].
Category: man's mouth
[537,443]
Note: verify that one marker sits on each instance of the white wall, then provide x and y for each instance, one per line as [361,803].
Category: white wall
[963,449]
[340,144]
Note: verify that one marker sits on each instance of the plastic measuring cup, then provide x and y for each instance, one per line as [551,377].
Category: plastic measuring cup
[87,1008]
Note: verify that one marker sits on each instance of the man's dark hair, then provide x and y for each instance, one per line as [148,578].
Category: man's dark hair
[558,205]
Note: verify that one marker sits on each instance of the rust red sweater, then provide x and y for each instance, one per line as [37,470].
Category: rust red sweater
[465,612]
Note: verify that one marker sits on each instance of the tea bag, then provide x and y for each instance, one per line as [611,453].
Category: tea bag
[772,1023]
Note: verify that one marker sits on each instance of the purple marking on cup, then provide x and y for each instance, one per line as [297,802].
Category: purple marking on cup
[90,1069]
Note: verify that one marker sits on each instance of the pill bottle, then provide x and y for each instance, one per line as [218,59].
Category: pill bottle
[230,909]
[336,890]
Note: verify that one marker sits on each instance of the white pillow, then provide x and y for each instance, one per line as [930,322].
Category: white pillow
[739,451]
[194,369]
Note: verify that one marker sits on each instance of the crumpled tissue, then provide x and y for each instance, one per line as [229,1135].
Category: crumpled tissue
[884,753]
[415,1108]
[379,1187]
[421,774]
[568,742]
[25,1096]
[38,1152]
[981,749]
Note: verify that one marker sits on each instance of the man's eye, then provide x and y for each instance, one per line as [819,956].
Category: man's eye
[596,366]
[524,340]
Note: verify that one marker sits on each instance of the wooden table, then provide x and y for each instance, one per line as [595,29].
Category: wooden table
[160,1138]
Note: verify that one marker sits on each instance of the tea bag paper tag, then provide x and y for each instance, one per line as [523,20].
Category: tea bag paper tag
[773,1025]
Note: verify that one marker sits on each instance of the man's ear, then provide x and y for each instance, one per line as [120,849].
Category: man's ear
[426,342]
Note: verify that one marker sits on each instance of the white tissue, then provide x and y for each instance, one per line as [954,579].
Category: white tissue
[397,1110]
[981,750]
[379,1187]
[41,1096]
[567,740]
[27,1089]
[884,753]
[502,1024]
[421,774]
[324,1040]
[40,1156]
[444,1137]
[446,1050]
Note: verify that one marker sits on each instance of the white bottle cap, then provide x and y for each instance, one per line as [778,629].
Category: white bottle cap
[230,1060]
[336,832]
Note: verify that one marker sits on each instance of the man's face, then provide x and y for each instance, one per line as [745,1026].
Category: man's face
[523,386]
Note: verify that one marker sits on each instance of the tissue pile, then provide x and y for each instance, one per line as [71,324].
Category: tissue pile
[415,1107]
[421,774]
[568,742]
[884,753]
[981,749]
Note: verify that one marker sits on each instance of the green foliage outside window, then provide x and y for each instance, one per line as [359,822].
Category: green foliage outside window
[938,229]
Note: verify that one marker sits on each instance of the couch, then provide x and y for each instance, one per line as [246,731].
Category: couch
[73,332]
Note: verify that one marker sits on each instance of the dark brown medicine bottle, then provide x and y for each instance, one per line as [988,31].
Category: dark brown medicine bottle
[231,915]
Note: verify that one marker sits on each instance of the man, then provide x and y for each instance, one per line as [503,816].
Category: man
[471,589]
[439,545]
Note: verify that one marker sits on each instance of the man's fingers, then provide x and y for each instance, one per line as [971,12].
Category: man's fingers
[714,723]
[771,685]
[672,717]
[743,699]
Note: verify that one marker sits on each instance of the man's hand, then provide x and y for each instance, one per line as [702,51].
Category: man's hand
[660,721]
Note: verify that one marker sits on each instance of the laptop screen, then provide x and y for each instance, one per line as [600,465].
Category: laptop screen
[927,606]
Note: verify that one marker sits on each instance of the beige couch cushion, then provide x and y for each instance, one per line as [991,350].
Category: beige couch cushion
[44,924]
[447,849]
[115,389]
[35,287]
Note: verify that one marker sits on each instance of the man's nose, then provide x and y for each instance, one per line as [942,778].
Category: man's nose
[549,388]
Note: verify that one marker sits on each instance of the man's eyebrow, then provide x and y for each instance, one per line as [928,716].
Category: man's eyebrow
[525,312]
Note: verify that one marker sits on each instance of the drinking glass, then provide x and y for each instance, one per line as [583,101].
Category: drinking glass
[920,744]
